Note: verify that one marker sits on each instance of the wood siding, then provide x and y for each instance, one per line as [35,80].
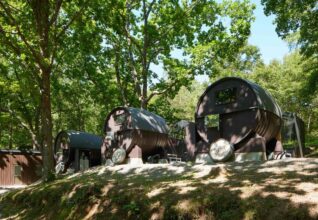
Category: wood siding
[30,165]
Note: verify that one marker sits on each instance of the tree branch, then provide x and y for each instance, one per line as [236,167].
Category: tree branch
[56,12]
[120,87]
[131,58]
[154,93]
[150,8]
[66,26]
[33,52]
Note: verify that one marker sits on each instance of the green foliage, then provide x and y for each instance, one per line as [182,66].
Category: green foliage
[224,39]
[296,17]
[100,54]
[291,82]
[19,106]
[182,106]
[284,81]
[147,33]
[132,207]
[296,21]
[50,177]
[242,64]
[287,82]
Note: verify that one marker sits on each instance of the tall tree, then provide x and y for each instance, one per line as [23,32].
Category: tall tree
[148,33]
[298,18]
[180,107]
[286,81]
[20,102]
[33,31]
[241,64]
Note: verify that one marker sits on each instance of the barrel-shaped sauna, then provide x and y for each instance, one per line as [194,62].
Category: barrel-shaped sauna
[138,132]
[242,113]
[77,150]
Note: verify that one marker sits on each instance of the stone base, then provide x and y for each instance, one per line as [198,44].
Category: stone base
[203,158]
[134,161]
[251,156]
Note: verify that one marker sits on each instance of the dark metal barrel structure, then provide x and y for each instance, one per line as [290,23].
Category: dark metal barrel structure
[240,112]
[139,132]
[72,146]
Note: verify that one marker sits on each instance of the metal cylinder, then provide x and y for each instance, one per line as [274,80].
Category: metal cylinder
[68,144]
[130,127]
[241,110]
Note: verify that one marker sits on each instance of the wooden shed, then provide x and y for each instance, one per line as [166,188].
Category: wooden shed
[19,167]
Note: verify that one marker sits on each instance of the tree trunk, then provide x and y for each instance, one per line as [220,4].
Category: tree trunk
[11,132]
[119,83]
[35,144]
[144,102]
[309,121]
[46,119]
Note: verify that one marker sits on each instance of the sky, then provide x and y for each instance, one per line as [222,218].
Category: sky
[263,36]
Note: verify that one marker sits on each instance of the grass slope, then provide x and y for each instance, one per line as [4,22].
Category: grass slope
[268,190]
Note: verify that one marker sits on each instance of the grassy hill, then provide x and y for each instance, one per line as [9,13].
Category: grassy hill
[252,190]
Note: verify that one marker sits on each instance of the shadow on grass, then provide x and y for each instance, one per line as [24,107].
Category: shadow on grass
[235,191]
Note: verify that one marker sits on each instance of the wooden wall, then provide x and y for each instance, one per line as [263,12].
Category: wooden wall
[29,163]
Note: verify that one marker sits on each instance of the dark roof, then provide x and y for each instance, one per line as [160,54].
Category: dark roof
[80,140]
[10,151]
[264,99]
[144,120]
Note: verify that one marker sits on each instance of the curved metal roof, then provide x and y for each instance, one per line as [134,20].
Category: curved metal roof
[264,99]
[144,120]
[80,140]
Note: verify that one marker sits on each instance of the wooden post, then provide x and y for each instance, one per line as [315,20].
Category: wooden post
[77,160]
[135,155]
[190,139]
[300,144]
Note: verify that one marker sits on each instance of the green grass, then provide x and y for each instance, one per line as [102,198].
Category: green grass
[312,140]
[155,193]
[312,144]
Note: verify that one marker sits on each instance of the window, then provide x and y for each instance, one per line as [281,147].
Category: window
[211,121]
[17,170]
[225,96]
[120,119]
[177,133]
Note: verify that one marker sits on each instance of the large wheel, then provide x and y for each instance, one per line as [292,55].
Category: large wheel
[221,150]
[119,156]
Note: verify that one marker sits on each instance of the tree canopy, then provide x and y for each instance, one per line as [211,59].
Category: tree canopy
[296,17]
[66,64]
[297,20]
